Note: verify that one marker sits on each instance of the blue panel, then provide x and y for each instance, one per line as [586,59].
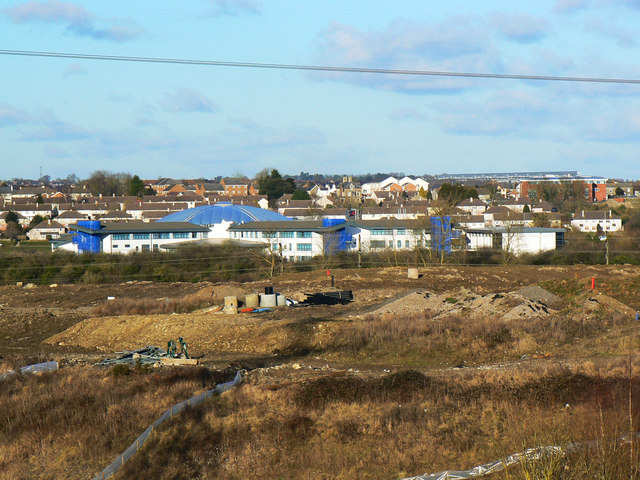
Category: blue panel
[214,214]
[441,234]
[330,222]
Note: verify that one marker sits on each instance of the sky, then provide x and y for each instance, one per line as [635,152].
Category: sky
[76,116]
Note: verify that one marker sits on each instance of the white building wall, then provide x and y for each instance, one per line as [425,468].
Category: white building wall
[113,243]
[608,225]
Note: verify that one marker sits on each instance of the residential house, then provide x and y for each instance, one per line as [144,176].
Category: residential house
[589,221]
[474,206]
[237,186]
[47,230]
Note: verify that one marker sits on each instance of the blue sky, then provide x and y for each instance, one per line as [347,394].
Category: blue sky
[77,116]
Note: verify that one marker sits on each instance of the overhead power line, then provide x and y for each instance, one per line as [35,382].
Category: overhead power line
[321,68]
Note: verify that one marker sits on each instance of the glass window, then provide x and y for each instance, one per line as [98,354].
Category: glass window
[141,236]
[400,231]
[181,235]
[161,235]
[305,247]
[377,244]
[303,234]
[399,243]
[121,236]
[381,231]
[286,234]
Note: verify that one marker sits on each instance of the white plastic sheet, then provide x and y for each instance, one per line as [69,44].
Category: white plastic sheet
[35,368]
[179,407]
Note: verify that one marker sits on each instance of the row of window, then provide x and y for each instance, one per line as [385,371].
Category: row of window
[272,234]
[387,231]
[161,235]
[380,244]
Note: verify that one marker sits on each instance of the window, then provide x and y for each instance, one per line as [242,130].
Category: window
[304,247]
[141,236]
[121,236]
[406,244]
[377,244]
[381,231]
[269,234]
[181,235]
[400,231]
[127,246]
[145,248]
[161,235]
[286,234]
[304,235]
[115,246]
[399,243]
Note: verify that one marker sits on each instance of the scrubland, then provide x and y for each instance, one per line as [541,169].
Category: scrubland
[348,391]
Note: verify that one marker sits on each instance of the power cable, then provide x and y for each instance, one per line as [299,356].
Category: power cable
[320,68]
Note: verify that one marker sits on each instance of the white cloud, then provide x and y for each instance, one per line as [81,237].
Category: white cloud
[235,7]
[522,28]
[184,100]
[74,69]
[461,44]
[77,19]
[10,116]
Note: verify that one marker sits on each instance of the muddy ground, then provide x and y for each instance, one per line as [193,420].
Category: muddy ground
[59,322]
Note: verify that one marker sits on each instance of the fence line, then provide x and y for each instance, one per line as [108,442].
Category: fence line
[119,462]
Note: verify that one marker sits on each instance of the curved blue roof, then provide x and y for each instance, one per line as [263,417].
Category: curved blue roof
[214,214]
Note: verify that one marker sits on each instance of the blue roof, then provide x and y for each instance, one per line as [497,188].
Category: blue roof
[214,214]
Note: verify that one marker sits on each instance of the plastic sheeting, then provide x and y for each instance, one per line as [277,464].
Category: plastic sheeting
[179,407]
[493,467]
[35,368]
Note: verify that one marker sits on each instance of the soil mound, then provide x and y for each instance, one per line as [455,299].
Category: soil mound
[505,305]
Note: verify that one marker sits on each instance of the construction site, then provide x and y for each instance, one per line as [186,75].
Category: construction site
[385,373]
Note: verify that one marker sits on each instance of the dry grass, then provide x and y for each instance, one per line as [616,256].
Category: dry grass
[74,422]
[150,306]
[70,424]
[399,425]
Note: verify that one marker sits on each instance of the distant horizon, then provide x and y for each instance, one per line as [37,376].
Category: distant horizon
[471,176]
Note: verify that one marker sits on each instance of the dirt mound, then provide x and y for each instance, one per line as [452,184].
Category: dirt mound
[506,305]
[606,304]
[536,293]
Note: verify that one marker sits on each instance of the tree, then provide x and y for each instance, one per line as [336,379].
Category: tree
[102,182]
[35,221]
[619,192]
[454,194]
[11,217]
[540,220]
[39,199]
[273,185]
[136,187]
[300,194]
[526,209]
[12,230]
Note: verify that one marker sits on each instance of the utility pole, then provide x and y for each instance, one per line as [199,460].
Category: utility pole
[606,250]
[359,251]
[281,258]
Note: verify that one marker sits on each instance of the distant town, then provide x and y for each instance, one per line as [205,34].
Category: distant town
[305,215]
